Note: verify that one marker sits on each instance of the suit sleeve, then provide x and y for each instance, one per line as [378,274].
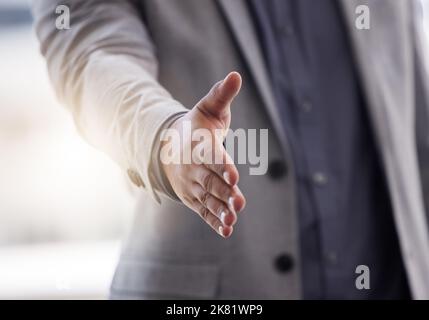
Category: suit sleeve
[422,99]
[104,70]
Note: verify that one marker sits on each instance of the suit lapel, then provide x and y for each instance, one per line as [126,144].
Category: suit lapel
[384,58]
[240,21]
[384,55]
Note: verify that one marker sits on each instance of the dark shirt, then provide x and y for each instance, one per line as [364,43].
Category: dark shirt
[345,215]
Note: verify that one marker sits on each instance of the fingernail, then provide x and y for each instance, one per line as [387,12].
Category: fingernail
[226,177]
[221,231]
[222,217]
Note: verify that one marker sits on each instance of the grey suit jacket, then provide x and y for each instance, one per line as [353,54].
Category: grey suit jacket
[126,67]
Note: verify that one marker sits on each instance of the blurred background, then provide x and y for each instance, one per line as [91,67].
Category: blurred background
[63,205]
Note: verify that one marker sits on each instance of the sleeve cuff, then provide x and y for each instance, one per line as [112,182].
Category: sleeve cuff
[160,181]
[146,171]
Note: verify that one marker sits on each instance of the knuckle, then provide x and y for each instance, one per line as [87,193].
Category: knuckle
[204,212]
[217,207]
[217,94]
[213,222]
[204,198]
[216,87]
[224,192]
[215,225]
[187,199]
[219,169]
[208,181]
[196,205]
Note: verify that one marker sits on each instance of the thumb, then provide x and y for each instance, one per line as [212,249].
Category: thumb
[218,101]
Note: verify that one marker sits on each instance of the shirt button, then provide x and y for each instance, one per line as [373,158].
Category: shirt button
[306,106]
[287,30]
[284,263]
[277,169]
[331,257]
[320,179]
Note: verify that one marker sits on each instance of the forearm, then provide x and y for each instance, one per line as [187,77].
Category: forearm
[104,69]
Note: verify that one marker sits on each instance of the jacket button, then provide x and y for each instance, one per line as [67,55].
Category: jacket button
[284,263]
[277,169]
[135,178]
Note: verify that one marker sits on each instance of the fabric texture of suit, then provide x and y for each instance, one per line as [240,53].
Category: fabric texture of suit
[125,68]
